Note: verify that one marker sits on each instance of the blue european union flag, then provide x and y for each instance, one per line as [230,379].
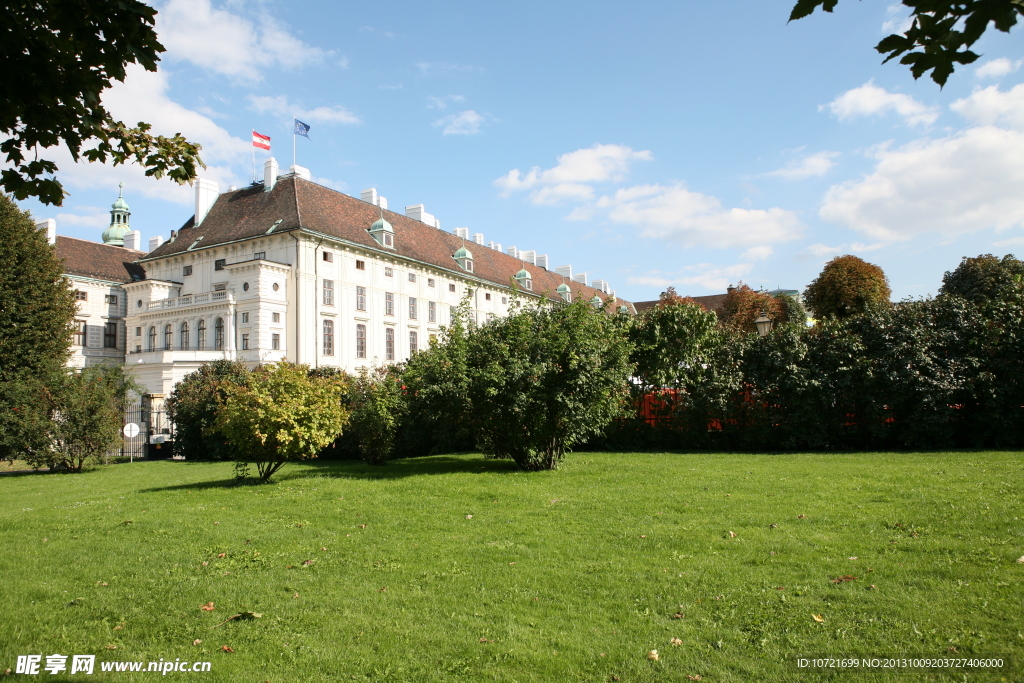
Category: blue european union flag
[301,129]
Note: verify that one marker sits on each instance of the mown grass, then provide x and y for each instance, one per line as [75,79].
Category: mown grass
[367,573]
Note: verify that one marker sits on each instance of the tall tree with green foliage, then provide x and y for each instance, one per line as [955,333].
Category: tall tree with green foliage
[377,408]
[941,32]
[671,344]
[59,56]
[544,379]
[985,278]
[847,286]
[282,414]
[193,406]
[36,312]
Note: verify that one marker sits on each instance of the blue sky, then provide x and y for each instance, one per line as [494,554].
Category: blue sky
[693,144]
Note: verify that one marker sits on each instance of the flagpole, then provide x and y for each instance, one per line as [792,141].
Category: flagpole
[253,161]
[294,162]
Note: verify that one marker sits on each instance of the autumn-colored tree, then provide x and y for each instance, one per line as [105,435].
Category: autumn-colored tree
[985,278]
[743,305]
[847,286]
[670,298]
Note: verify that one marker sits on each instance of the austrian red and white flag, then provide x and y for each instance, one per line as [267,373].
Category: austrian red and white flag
[261,141]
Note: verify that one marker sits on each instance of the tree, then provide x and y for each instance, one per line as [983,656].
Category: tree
[36,312]
[283,414]
[985,278]
[85,409]
[544,379]
[377,410]
[847,286]
[941,33]
[193,405]
[670,344]
[743,305]
[59,56]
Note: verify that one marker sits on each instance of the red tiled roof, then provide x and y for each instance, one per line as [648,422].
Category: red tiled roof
[99,261]
[294,203]
[712,302]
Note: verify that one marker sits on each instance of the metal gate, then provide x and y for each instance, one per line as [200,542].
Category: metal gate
[134,440]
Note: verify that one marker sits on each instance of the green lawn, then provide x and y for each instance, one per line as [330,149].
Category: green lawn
[460,568]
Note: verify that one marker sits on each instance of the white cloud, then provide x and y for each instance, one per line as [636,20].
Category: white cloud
[143,97]
[992,106]
[705,275]
[821,251]
[871,100]
[897,19]
[85,217]
[390,35]
[817,164]
[464,123]
[280,106]
[672,212]
[757,253]
[567,180]
[442,102]
[227,43]
[997,68]
[1012,242]
[445,68]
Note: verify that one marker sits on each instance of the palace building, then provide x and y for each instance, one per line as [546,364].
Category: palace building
[291,270]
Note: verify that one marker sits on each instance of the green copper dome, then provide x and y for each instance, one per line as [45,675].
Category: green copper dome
[381,225]
[562,288]
[119,214]
[463,253]
[523,274]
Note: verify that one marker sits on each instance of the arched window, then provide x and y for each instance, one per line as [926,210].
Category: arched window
[152,339]
[201,330]
[168,337]
[389,343]
[184,337]
[218,334]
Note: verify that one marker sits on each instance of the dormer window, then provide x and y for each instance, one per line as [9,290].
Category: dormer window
[382,232]
[564,292]
[524,278]
[464,257]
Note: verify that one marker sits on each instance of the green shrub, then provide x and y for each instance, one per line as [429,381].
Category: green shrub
[192,407]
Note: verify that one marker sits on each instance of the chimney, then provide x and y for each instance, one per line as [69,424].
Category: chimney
[133,240]
[601,285]
[206,196]
[155,242]
[581,278]
[269,174]
[418,213]
[300,172]
[564,271]
[50,226]
[496,246]
[478,237]
[542,261]
[513,252]
[462,232]
[529,256]
[369,196]
[382,202]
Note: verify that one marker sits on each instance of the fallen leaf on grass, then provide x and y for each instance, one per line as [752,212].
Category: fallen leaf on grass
[800,516]
[102,583]
[675,642]
[225,648]
[843,579]
[695,677]
[295,596]
[222,555]
[205,563]
[208,607]
[110,647]
[469,516]
[1020,560]
[197,642]
[323,549]
[732,534]
[383,590]
[118,627]
[485,640]
[644,536]
[361,526]
[306,563]
[653,655]
[240,615]
[872,587]
[678,615]
[7,672]
[818,618]
[773,526]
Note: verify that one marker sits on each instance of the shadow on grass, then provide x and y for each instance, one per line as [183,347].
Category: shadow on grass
[344,469]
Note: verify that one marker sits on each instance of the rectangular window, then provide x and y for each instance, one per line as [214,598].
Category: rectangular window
[276,317]
[138,331]
[389,271]
[275,341]
[430,282]
[245,342]
[80,333]
[110,336]
[187,270]
[220,288]
[360,341]
[504,299]
[360,265]
[487,296]
[329,257]
[328,337]
[328,292]
[451,288]
[81,296]
[389,303]
[413,342]
[389,343]
[259,255]
[360,298]
[412,277]
[412,308]
[219,264]
[245,317]
[138,348]
[389,240]
[110,299]
[431,312]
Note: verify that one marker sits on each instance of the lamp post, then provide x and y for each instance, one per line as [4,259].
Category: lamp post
[763,324]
